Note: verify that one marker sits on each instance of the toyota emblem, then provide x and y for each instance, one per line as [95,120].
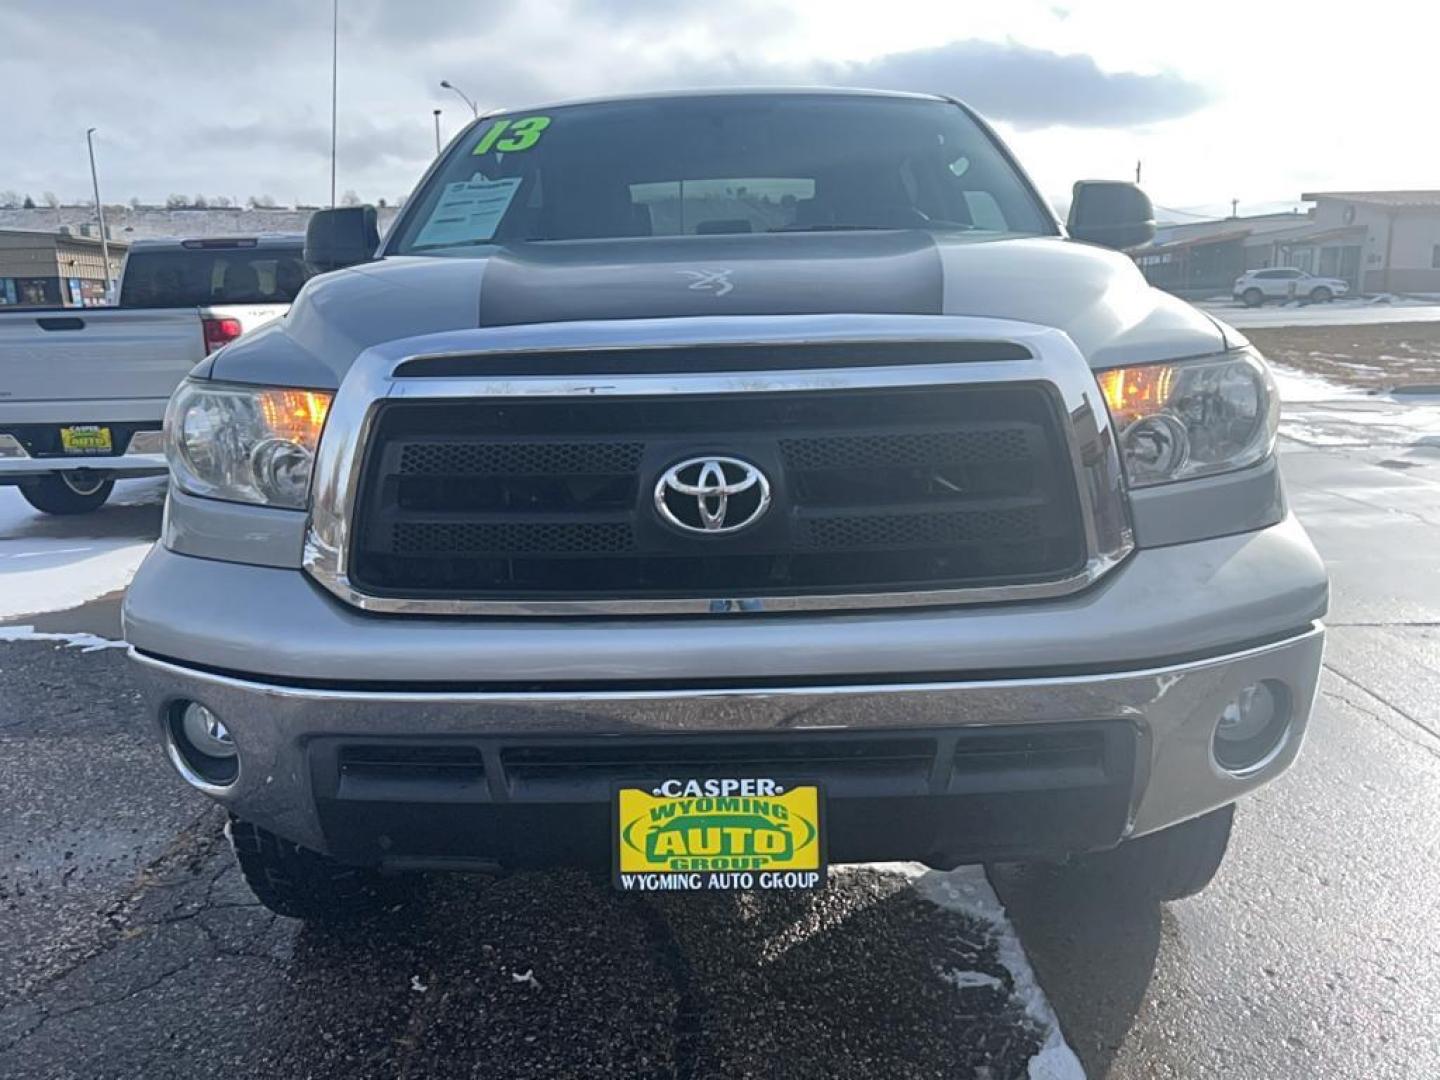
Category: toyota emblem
[712,495]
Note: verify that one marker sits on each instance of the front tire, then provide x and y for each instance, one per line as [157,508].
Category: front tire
[1252,297]
[299,883]
[1321,295]
[1170,864]
[64,493]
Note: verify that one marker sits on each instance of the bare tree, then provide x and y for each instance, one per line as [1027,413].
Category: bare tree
[350,198]
[222,201]
[199,202]
[50,199]
[176,202]
[9,200]
[135,202]
[261,202]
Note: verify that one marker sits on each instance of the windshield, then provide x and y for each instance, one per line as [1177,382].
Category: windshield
[203,276]
[720,164]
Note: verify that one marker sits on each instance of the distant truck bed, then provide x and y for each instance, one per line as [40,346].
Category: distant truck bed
[83,391]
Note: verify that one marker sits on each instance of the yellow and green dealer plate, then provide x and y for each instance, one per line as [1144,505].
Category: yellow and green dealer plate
[86,439]
[690,835]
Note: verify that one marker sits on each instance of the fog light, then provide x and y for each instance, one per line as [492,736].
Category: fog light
[1252,727]
[206,733]
[200,747]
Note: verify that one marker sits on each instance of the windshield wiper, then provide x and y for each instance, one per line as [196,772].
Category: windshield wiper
[833,228]
[933,226]
[423,249]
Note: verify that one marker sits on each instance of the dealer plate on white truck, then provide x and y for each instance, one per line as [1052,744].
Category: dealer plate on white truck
[86,439]
[729,834]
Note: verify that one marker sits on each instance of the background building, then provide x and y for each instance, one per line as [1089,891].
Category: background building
[39,269]
[159,222]
[50,255]
[1204,258]
[1378,241]
[1393,236]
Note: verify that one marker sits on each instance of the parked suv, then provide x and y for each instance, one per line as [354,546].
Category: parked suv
[705,488]
[1254,287]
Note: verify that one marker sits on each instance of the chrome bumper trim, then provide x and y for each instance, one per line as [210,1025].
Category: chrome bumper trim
[1174,707]
[33,466]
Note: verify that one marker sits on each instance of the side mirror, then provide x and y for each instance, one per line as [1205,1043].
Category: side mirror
[341,237]
[1111,213]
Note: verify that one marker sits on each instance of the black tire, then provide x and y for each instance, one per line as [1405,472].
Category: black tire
[1171,864]
[1252,297]
[64,493]
[302,884]
[1321,295]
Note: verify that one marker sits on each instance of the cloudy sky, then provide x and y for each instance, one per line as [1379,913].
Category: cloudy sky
[1252,100]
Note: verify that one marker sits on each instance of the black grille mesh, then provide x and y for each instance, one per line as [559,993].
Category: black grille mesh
[443,538]
[1017,526]
[873,491]
[998,443]
[516,459]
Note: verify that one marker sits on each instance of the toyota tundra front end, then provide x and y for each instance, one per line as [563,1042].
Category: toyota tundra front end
[710,488]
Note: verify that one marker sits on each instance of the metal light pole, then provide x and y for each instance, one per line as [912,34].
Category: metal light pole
[437,132]
[446,84]
[334,88]
[99,210]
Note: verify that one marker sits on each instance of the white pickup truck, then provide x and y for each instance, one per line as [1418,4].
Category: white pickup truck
[83,391]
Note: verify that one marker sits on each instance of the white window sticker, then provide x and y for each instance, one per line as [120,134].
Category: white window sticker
[469,211]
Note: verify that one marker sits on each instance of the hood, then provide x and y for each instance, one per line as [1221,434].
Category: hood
[1097,297]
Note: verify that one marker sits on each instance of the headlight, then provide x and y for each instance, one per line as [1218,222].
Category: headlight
[244,443]
[1192,418]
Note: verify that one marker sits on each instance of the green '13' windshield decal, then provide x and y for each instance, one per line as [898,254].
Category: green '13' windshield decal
[523,134]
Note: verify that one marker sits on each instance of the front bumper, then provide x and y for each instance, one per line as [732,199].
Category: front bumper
[944,772]
[339,715]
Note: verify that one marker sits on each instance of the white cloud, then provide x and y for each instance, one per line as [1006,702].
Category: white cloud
[1219,99]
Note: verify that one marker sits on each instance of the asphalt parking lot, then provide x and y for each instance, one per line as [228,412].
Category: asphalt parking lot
[135,950]
[132,949]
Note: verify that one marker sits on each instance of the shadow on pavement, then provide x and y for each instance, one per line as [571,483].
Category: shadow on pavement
[554,974]
[1093,948]
[528,975]
[113,521]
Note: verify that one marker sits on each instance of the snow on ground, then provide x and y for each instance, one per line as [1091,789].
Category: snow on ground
[81,641]
[1300,387]
[1317,412]
[1336,313]
[966,890]
[56,563]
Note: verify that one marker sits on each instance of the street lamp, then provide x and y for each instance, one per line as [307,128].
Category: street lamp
[446,84]
[99,210]
[334,89]
[437,132]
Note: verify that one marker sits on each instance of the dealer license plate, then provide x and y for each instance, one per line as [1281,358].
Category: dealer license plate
[729,834]
[86,439]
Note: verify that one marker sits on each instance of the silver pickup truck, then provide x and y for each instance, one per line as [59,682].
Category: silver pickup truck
[83,391]
[708,488]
